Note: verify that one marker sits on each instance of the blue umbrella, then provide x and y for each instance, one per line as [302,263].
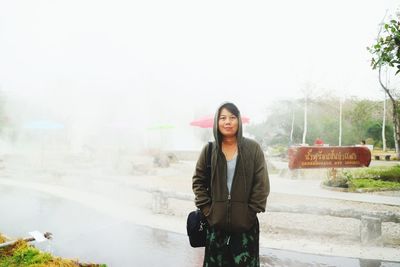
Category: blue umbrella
[43,124]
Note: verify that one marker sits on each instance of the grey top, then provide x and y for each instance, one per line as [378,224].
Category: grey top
[231,171]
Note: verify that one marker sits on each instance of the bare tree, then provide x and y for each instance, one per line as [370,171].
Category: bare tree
[386,52]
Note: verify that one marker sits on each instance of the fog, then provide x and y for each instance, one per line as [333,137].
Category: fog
[93,92]
[94,63]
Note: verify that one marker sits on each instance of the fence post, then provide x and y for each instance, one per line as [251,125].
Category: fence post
[371,230]
[160,202]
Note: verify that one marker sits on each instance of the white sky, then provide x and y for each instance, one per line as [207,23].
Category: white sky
[172,61]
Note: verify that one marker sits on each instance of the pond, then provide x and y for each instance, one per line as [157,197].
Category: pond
[90,236]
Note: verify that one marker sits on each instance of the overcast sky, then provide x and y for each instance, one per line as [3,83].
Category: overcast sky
[171,61]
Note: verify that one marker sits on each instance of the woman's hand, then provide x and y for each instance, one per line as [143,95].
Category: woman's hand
[206,210]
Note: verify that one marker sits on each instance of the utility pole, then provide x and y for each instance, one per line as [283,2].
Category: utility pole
[340,120]
[305,120]
[291,131]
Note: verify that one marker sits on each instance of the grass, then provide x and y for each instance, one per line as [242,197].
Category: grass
[383,173]
[22,254]
[372,184]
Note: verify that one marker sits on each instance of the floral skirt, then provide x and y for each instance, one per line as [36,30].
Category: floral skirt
[224,249]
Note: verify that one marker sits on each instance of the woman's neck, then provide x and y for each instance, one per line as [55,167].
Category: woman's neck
[229,141]
[229,147]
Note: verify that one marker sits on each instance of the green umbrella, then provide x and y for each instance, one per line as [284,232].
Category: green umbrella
[161,127]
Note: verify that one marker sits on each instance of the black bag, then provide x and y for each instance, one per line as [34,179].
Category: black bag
[197,228]
[196,224]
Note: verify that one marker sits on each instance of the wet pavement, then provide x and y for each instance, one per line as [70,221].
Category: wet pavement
[80,232]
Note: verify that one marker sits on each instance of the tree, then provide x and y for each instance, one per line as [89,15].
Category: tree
[386,52]
[375,132]
[283,123]
[361,116]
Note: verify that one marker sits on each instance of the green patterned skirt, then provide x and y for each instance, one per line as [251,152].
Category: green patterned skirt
[225,249]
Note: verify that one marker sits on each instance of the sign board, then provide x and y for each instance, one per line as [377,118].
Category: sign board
[302,157]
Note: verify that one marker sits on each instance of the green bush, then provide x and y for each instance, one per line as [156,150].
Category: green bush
[372,178]
[341,178]
[338,182]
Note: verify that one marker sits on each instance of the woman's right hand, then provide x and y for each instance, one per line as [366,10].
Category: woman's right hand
[206,210]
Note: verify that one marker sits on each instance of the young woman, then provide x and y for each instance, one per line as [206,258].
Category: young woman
[238,191]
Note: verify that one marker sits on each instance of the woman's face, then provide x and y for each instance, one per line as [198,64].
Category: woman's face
[227,123]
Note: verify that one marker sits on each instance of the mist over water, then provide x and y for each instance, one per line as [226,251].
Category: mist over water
[93,236]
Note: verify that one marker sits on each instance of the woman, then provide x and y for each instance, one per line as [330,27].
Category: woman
[238,191]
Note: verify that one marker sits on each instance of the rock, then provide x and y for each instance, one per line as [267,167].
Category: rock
[172,158]
[161,161]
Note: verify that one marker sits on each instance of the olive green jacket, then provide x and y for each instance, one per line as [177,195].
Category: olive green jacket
[235,212]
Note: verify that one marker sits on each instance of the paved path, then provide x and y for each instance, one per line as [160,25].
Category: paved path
[313,188]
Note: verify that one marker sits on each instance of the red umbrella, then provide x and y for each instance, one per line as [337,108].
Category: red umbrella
[208,121]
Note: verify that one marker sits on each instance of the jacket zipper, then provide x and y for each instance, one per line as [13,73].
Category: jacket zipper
[229,211]
[229,194]
[228,204]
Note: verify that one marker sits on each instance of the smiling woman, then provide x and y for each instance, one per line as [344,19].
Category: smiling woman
[238,190]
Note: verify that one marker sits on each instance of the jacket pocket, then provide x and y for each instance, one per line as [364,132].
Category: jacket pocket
[243,218]
[251,215]
[218,214]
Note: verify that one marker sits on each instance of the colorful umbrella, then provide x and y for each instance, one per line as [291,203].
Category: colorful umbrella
[208,121]
[161,127]
[43,124]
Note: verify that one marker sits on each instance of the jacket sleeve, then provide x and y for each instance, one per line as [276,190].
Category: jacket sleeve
[199,181]
[260,188]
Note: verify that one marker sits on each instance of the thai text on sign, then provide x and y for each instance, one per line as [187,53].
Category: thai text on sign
[328,157]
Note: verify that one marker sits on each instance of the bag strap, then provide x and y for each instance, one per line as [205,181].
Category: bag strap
[208,169]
